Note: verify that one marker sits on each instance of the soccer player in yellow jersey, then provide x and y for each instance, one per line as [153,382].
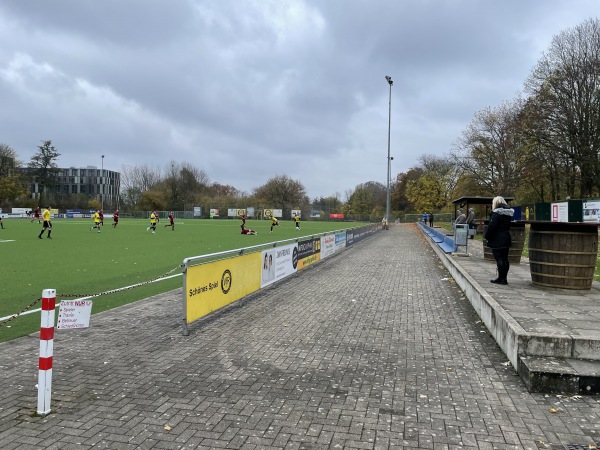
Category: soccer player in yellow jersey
[47,223]
[297,220]
[96,218]
[152,223]
[274,222]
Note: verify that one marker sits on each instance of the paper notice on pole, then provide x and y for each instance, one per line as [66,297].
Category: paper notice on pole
[74,314]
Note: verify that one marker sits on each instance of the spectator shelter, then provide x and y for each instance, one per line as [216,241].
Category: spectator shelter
[482,206]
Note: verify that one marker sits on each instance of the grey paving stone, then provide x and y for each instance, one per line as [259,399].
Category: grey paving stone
[375,348]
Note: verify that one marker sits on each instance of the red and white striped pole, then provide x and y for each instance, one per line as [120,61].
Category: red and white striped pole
[46,351]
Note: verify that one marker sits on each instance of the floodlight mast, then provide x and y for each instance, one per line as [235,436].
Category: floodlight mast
[389,159]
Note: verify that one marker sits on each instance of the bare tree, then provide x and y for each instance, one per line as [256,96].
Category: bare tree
[566,83]
[183,183]
[8,160]
[282,192]
[136,180]
[490,149]
[546,172]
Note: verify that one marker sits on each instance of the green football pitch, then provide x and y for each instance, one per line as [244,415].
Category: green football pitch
[80,262]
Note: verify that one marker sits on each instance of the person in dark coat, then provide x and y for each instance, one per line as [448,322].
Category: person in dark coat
[471,222]
[498,237]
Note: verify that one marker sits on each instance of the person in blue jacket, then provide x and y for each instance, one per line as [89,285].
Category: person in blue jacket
[498,237]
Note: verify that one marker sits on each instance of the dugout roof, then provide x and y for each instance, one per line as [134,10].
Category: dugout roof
[481,205]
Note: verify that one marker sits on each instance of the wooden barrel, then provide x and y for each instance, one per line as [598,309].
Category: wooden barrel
[517,237]
[563,256]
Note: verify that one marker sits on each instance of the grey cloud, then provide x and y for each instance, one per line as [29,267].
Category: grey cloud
[247,90]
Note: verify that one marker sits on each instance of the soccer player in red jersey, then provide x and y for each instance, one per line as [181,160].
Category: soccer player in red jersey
[115,218]
[247,231]
[171,221]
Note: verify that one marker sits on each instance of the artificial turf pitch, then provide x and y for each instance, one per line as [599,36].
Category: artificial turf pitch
[80,262]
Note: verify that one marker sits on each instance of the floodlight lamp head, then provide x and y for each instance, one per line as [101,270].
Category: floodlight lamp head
[389,80]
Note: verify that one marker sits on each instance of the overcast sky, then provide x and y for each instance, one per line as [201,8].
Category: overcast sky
[249,89]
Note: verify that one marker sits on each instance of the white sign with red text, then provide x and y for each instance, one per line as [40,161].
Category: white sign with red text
[560,212]
[74,314]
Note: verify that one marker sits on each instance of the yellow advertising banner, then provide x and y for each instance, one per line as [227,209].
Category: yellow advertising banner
[215,285]
[309,252]
[308,261]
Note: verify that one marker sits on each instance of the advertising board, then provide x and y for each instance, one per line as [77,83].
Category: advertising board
[278,263]
[214,285]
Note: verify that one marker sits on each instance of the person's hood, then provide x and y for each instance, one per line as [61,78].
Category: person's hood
[504,210]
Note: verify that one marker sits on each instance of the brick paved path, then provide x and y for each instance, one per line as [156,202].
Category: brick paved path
[373,349]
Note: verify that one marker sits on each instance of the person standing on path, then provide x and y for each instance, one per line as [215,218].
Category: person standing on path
[498,237]
[431,220]
[471,221]
[47,223]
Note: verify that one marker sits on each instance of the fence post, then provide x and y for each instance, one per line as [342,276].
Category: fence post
[46,351]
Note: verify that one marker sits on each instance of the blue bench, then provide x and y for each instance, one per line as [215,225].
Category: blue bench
[436,236]
[446,243]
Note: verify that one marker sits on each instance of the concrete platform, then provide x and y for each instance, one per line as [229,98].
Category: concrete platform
[550,336]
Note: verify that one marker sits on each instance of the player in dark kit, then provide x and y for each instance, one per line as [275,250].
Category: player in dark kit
[115,218]
[101,214]
[247,231]
[36,215]
[171,221]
